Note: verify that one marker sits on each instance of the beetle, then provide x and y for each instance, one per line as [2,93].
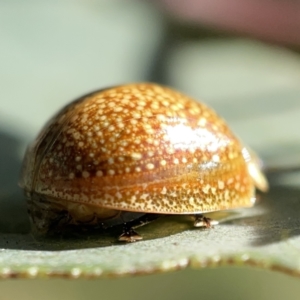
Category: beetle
[128,154]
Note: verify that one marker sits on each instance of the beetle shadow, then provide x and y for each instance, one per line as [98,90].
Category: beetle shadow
[13,215]
[278,219]
[84,239]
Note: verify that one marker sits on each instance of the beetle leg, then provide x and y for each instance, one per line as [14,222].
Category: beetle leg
[129,235]
[201,221]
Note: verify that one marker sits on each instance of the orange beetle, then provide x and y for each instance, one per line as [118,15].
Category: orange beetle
[127,154]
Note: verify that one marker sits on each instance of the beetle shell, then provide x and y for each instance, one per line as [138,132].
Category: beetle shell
[141,148]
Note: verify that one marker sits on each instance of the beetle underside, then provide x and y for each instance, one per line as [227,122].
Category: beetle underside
[50,216]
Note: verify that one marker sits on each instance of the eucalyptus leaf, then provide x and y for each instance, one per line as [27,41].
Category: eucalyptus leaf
[252,85]
[266,236]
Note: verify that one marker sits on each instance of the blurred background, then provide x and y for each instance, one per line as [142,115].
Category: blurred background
[239,56]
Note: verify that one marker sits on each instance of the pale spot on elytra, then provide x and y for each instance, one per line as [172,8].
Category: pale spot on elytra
[136,156]
[99,173]
[163,162]
[85,174]
[221,184]
[110,161]
[206,188]
[111,172]
[150,166]
[164,190]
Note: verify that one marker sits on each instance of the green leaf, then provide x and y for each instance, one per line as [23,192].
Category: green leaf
[256,89]
[266,236]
